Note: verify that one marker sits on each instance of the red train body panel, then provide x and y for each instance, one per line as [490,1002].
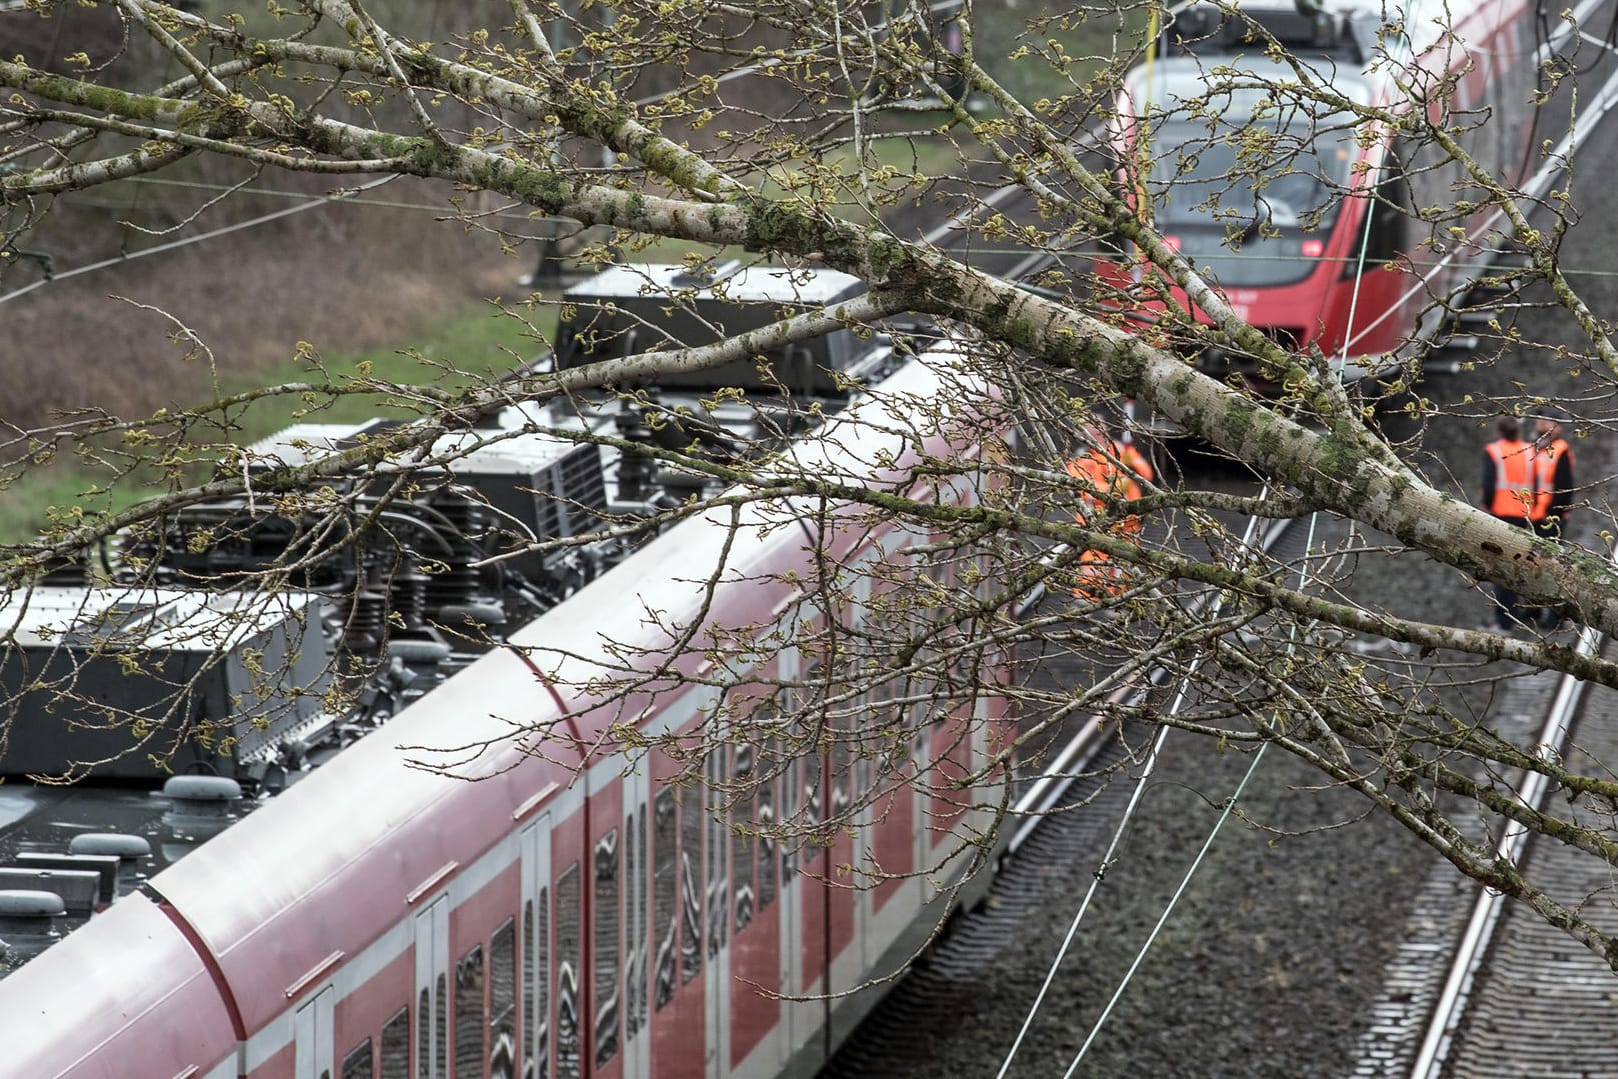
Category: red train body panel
[551,907]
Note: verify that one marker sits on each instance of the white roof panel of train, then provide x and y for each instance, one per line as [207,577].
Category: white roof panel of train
[129,962]
[246,890]
[503,447]
[150,617]
[746,283]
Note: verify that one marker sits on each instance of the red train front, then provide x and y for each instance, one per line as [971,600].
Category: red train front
[1269,175]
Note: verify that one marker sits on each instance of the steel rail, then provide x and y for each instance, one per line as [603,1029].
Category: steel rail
[1511,849]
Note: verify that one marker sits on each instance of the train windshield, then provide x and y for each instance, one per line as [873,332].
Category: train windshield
[1250,189]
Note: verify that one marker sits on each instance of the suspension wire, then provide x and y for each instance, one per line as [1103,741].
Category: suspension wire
[1207,844]
[1140,956]
[324,200]
[1107,859]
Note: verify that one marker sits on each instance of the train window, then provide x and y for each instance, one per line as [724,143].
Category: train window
[690,882]
[764,814]
[357,1064]
[537,980]
[840,793]
[569,943]
[631,858]
[814,777]
[395,1045]
[665,895]
[606,955]
[791,795]
[469,1015]
[1388,232]
[642,918]
[718,882]
[441,1025]
[635,924]
[741,833]
[503,1001]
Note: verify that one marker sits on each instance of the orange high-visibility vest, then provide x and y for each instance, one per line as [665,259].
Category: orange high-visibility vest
[1134,460]
[1545,458]
[1515,478]
[1101,481]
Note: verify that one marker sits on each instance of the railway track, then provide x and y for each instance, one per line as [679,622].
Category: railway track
[1483,986]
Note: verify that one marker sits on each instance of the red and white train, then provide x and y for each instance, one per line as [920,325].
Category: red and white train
[517,875]
[1320,228]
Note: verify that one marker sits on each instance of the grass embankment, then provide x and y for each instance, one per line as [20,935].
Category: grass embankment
[459,352]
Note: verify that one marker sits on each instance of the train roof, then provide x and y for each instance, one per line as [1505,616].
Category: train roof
[172,620]
[513,439]
[1344,35]
[247,892]
[733,282]
[129,963]
[1176,80]
[872,443]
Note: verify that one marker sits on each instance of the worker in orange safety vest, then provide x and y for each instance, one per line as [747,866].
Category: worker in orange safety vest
[1109,471]
[1508,491]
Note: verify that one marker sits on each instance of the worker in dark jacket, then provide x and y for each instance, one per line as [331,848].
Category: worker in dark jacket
[1508,490]
[1553,487]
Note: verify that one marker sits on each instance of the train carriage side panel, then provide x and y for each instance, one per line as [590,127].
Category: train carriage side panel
[372,1019]
[126,994]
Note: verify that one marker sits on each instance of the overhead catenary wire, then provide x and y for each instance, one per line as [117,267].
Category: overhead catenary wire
[1197,862]
[1107,858]
[224,230]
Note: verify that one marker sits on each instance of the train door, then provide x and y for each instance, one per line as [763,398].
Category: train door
[717,880]
[313,1036]
[536,952]
[753,958]
[637,1040]
[432,990]
[567,942]
[674,943]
